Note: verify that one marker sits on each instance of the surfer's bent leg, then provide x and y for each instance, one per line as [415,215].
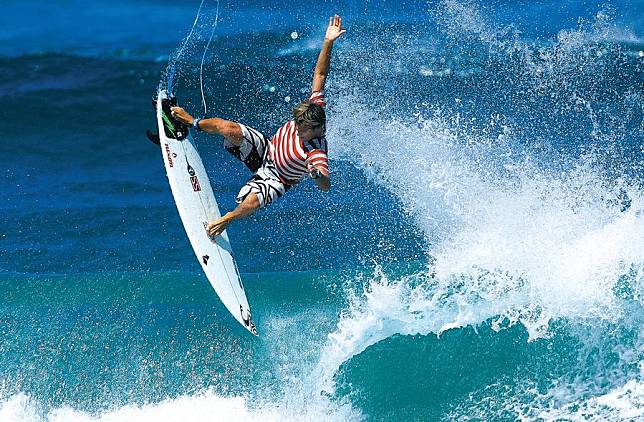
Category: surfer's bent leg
[265,184]
[249,205]
[226,128]
[253,148]
[215,126]
[261,190]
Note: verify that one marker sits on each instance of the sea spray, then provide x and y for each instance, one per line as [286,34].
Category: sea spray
[523,229]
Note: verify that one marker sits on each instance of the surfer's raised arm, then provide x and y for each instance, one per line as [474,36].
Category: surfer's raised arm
[333,32]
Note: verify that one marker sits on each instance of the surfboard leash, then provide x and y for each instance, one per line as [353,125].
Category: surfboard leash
[203,57]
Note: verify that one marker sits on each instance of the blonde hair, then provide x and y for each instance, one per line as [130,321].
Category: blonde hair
[309,114]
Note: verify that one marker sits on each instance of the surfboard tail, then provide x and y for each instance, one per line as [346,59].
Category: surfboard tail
[172,127]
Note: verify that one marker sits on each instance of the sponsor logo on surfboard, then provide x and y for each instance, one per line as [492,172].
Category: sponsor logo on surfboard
[205,259]
[168,154]
[248,321]
[195,184]
[193,179]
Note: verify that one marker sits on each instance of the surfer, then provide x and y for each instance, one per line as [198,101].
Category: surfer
[298,149]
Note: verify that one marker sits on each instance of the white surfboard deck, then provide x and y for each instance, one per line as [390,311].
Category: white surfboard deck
[197,207]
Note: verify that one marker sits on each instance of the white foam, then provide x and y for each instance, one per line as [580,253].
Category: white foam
[205,406]
[18,408]
[623,403]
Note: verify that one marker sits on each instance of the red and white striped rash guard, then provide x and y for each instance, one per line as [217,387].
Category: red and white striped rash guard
[291,156]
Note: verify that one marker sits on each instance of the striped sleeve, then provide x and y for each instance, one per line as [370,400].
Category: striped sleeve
[318,157]
[317,97]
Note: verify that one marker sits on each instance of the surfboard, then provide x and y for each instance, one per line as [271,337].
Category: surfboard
[197,207]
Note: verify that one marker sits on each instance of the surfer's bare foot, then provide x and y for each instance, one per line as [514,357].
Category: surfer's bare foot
[217,227]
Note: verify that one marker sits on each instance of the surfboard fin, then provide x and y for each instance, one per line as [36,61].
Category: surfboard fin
[153,137]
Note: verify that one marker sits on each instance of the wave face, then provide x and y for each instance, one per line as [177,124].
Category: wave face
[480,256]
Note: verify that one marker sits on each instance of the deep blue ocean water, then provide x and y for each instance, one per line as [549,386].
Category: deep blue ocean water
[479,257]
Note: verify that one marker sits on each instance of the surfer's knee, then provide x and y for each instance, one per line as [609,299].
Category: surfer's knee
[230,130]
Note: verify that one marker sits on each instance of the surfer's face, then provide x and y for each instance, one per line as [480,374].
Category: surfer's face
[306,133]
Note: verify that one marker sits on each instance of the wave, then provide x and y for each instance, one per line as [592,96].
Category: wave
[524,228]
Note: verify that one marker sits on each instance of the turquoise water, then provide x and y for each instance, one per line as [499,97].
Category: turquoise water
[479,257]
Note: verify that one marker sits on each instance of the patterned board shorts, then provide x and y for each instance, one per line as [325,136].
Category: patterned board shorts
[253,152]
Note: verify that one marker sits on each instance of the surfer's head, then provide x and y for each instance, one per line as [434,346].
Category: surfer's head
[310,120]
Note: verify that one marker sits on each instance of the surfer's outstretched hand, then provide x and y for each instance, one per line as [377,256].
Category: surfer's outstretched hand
[334,30]
[181,115]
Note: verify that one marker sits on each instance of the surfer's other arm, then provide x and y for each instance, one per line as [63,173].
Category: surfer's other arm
[333,32]
[215,126]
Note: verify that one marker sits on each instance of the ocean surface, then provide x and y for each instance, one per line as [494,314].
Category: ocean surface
[480,255]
